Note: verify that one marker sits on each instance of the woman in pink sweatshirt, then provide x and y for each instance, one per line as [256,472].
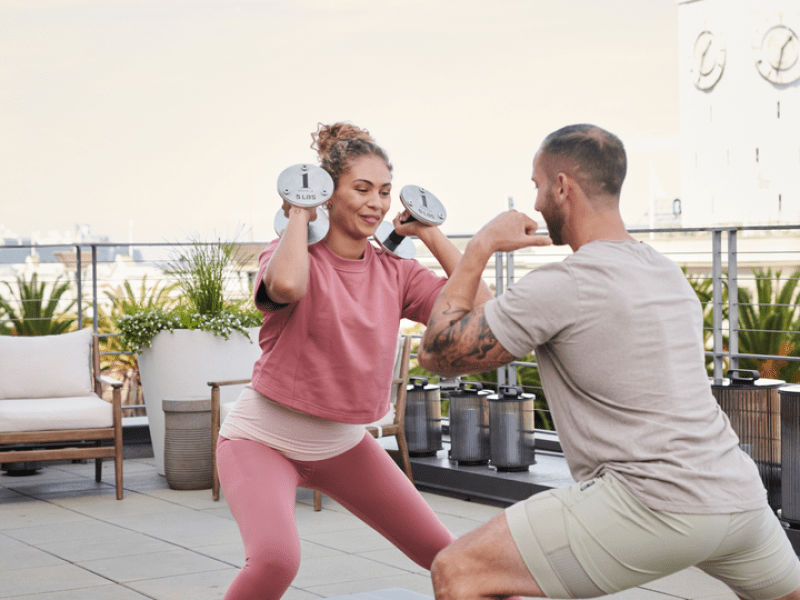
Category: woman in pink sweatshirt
[332,312]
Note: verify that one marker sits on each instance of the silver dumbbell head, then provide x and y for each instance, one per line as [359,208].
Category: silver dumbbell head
[398,245]
[423,205]
[317,229]
[305,185]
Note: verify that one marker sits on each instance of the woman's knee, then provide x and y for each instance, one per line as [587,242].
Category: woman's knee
[273,567]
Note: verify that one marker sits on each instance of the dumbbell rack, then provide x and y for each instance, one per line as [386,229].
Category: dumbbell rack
[484,483]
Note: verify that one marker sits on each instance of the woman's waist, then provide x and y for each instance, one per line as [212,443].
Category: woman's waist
[296,433]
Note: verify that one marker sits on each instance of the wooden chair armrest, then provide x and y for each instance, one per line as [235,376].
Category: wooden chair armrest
[114,383]
[232,382]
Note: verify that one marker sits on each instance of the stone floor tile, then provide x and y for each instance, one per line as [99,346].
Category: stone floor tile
[48,579]
[231,553]
[123,544]
[108,508]
[136,465]
[395,558]
[47,472]
[185,528]
[222,511]
[106,592]
[358,540]
[461,508]
[458,526]
[196,499]
[85,529]
[32,513]
[7,495]
[172,563]
[408,581]
[312,550]
[311,522]
[315,572]
[57,483]
[15,554]
[210,585]
[295,594]
[145,481]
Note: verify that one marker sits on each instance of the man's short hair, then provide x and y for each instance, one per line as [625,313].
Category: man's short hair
[598,155]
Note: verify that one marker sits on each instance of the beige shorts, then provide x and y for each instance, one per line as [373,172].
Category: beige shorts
[595,538]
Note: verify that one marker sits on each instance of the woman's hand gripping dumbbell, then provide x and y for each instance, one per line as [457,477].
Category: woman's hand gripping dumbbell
[305,186]
[422,206]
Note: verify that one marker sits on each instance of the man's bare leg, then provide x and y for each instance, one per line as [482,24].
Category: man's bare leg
[795,595]
[484,563]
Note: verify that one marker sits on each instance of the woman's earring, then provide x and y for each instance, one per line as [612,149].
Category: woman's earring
[328,205]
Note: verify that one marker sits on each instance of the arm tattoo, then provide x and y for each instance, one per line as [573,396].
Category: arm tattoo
[467,344]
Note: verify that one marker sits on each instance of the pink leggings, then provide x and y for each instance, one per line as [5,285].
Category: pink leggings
[260,486]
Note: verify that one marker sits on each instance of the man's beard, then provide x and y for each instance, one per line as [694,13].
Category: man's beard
[554,221]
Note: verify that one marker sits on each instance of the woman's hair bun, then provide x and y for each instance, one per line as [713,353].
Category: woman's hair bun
[327,135]
[336,144]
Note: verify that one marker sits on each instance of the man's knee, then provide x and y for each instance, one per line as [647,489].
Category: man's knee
[448,575]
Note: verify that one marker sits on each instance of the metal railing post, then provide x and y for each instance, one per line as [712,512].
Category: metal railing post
[733,300]
[78,267]
[94,289]
[511,369]
[716,277]
[498,291]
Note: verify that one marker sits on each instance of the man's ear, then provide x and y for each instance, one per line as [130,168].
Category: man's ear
[563,187]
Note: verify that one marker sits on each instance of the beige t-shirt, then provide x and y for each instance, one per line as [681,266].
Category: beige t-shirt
[618,336]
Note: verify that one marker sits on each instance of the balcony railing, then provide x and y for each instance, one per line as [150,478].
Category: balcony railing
[744,276]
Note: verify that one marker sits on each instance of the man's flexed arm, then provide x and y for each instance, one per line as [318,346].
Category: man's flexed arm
[458,340]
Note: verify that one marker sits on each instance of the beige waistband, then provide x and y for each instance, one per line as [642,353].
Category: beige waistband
[297,435]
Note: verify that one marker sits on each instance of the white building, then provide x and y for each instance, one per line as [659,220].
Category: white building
[740,111]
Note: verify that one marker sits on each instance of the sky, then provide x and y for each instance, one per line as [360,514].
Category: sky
[163,120]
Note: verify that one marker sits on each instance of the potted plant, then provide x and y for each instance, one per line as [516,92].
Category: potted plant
[205,337]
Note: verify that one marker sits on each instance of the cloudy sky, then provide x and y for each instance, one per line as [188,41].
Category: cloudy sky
[170,118]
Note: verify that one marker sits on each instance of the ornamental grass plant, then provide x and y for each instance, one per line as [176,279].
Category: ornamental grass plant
[201,273]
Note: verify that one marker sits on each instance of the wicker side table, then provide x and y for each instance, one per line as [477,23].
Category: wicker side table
[187,443]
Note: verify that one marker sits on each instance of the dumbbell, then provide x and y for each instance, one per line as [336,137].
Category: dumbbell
[305,186]
[424,207]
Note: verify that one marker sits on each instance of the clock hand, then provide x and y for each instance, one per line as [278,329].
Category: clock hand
[703,55]
[708,47]
[783,47]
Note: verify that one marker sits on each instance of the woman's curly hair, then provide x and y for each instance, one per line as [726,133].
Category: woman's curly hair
[340,143]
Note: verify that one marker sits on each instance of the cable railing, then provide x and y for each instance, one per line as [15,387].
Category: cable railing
[747,279]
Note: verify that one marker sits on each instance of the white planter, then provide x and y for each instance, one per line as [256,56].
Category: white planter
[178,365]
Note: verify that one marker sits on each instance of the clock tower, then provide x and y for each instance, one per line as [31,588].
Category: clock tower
[740,111]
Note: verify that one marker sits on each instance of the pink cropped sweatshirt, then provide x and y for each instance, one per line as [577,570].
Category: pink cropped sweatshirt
[331,354]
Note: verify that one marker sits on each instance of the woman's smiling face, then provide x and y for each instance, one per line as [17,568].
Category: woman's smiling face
[362,197]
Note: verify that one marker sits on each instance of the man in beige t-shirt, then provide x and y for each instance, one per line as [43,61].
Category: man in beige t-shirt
[617,332]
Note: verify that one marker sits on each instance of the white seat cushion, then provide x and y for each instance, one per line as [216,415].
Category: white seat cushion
[47,414]
[46,366]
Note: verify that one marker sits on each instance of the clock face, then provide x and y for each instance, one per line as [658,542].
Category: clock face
[707,61]
[776,52]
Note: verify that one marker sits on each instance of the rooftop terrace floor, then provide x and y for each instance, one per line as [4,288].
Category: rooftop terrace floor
[64,536]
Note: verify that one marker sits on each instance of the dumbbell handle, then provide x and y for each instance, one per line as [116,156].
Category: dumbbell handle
[395,239]
[422,206]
